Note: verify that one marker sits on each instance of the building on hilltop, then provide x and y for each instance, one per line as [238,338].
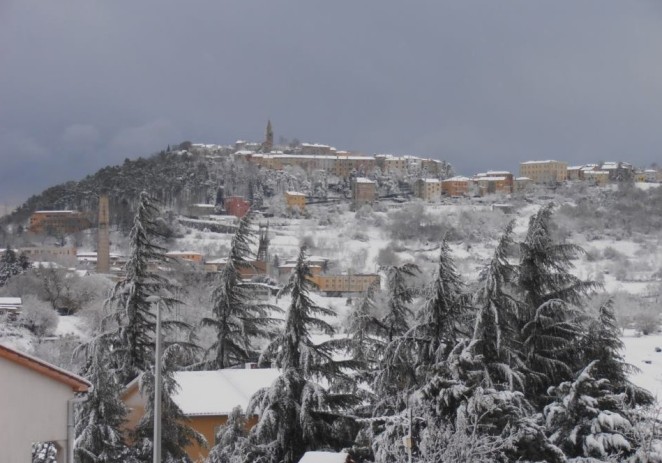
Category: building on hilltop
[364,191]
[456,186]
[428,189]
[544,171]
[341,284]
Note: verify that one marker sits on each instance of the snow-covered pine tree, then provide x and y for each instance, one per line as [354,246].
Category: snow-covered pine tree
[443,318]
[12,264]
[602,343]
[495,328]
[296,413]
[588,420]
[364,331]
[233,444]
[549,319]
[396,374]
[176,433]
[238,319]
[99,438]
[133,342]
[400,295]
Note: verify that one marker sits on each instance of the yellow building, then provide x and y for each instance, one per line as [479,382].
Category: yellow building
[294,199]
[597,177]
[544,171]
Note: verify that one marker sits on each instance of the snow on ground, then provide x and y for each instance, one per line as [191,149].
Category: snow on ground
[70,325]
[646,185]
[640,352]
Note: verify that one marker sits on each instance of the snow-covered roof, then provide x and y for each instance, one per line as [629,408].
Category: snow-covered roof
[294,193]
[210,206]
[596,172]
[650,171]
[218,392]
[490,179]
[457,178]
[548,161]
[363,180]
[55,212]
[222,260]
[4,301]
[574,167]
[324,457]
[610,165]
[431,180]
[183,253]
[522,179]
[498,172]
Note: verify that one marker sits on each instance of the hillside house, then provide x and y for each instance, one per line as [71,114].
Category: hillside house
[201,210]
[428,189]
[341,284]
[189,256]
[237,206]
[597,177]
[364,191]
[10,306]
[206,398]
[295,200]
[455,186]
[37,405]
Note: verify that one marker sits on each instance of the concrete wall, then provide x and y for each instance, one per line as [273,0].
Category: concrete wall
[33,408]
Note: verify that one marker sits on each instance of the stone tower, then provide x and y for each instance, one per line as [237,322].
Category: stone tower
[103,240]
[269,140]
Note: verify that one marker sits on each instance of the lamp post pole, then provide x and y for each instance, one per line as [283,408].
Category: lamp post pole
[157,386]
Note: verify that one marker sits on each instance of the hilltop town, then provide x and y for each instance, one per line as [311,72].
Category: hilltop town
[365,234]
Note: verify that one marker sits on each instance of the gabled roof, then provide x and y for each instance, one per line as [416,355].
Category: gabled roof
[76,383]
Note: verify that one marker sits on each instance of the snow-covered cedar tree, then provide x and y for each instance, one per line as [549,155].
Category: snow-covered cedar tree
[443,318]
[495,328]
[296,413]
[12,264]
[38,316]
[549,319]
[132,309]
[602,343]
[176,433]
[395,374]
[232,443]
[238,318]
[587,419]
[99,419]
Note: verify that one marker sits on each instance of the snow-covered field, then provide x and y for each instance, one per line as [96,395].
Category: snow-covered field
[640,352]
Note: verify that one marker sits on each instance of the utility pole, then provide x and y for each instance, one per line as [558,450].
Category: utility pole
[157,385]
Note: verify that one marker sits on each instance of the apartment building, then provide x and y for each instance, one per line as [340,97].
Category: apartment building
[58,222]
[544,171]
[428,189]
[455,186]
[345,283]
[364,191]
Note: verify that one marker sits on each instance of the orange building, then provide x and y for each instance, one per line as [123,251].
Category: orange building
[345,283]
[455,186]
[190,256]
[206,398]
[58,222]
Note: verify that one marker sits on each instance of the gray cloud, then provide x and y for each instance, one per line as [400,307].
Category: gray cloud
[480,83]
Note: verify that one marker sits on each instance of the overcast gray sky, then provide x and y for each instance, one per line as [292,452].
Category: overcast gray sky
[482,84]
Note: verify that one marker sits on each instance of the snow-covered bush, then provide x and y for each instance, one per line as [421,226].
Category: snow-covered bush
[38,316]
